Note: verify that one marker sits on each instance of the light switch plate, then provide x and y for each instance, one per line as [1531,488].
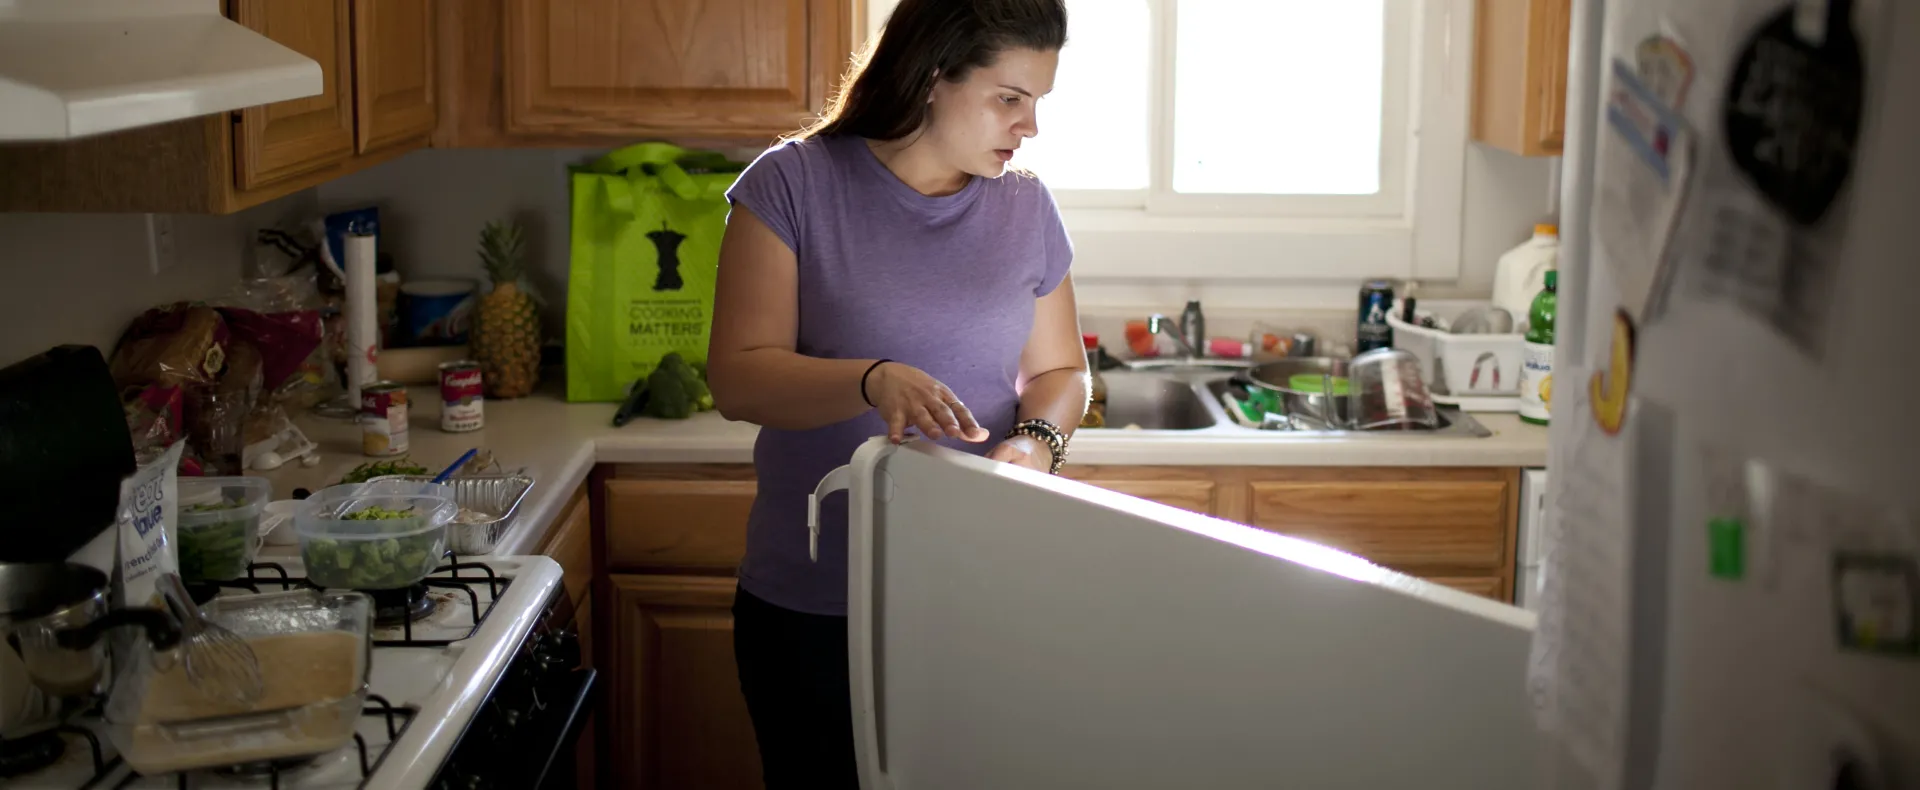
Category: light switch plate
[160,252]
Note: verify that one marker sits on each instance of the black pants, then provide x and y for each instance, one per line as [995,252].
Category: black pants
[793,672]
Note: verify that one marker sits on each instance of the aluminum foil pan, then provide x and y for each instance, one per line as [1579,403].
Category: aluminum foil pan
[494,495]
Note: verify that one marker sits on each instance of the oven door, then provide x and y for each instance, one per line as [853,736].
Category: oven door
[566,719]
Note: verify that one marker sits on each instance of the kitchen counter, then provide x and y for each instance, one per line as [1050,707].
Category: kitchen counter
[558,443]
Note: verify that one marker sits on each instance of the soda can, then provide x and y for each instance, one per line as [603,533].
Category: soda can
[383,419]
[462,404]
[1376,301]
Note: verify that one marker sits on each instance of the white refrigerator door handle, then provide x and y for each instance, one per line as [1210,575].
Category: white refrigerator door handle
[836,480]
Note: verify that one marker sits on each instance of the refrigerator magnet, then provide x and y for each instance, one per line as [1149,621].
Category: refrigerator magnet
[1877,603]
[1643,164]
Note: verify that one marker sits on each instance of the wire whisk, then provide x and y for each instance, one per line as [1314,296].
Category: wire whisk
[219,663]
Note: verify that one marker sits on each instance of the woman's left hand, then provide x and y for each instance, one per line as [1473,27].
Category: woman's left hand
[1025,451]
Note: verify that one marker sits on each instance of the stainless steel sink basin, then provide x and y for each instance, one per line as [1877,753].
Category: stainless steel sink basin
[1156,402]
[1185,401]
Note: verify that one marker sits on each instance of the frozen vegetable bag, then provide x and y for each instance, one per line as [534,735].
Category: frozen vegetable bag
[647,222]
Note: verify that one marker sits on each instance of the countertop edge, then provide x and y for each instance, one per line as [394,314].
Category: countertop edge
[551,494]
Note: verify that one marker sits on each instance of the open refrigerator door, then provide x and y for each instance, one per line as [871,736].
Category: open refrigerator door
[1010,629]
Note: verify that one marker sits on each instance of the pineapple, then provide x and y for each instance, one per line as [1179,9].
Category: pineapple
[506,334]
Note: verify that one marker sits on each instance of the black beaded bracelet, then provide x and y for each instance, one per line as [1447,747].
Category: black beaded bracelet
[863,380]
[1046,433]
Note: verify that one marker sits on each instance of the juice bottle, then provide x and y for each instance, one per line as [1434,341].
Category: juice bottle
[1536,368]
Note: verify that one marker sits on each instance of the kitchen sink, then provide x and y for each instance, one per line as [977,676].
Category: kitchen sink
[1186,401]
[1157,402]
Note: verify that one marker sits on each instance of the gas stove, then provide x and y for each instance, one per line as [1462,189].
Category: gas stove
[483,654]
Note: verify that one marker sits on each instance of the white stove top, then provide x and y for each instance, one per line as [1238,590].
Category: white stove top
[441,684]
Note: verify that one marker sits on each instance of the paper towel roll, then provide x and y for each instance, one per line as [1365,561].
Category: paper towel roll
[362,311]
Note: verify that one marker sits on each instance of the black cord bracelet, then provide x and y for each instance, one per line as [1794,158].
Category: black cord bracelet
[863,380]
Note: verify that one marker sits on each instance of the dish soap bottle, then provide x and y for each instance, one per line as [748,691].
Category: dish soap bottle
[1536,367]
[1096,416]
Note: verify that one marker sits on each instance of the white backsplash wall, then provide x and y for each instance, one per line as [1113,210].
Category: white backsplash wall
[434,202]
[80,278]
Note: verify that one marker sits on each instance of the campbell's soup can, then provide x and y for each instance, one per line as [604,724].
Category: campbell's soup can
[383,419]
[462,405]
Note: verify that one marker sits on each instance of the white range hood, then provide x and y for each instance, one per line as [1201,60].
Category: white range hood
[73,68]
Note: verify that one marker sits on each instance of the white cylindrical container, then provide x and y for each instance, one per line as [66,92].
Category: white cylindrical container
[362,312]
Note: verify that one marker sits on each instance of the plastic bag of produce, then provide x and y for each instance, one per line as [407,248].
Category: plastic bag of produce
[647,222]
[149,509]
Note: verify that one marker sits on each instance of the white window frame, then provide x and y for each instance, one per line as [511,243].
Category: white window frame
[1410,229]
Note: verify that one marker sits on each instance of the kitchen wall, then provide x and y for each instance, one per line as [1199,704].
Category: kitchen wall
[79,278]
[433,203]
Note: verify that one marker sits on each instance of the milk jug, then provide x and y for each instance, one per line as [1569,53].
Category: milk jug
[1522,272]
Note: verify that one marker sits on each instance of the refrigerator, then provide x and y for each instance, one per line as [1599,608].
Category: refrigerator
[1731,589]
[1729,584]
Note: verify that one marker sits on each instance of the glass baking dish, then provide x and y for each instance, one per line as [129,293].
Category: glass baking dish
[314,654]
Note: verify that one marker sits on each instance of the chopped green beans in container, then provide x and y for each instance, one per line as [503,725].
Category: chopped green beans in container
[219,525]
[382,535]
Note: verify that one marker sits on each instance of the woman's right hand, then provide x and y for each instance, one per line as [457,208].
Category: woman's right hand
[906,396]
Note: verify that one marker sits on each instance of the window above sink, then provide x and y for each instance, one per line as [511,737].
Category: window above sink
[1258,139]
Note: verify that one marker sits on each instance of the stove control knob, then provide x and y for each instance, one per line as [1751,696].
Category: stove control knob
[561,649]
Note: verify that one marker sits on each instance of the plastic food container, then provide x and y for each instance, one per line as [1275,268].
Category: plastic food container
[381,535]
[219,525]
[1388,392]
[488,504]
[314,655]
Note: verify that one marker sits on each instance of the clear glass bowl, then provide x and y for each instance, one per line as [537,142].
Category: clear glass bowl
[220,525]
[382,535]
[315,655]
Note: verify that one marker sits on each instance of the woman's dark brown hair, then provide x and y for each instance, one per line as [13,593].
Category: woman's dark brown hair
[885,94]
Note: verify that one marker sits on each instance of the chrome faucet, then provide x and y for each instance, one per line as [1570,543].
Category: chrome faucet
[1191,333]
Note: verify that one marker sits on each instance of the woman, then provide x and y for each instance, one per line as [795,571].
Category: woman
[884,272]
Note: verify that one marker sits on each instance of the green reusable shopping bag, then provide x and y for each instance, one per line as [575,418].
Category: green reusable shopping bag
[647,222]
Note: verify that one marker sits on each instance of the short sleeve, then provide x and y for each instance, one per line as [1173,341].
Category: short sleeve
[770,187]
[1056,247]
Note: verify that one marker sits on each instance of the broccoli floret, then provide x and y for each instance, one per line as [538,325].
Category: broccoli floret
[675,390]
[667,395]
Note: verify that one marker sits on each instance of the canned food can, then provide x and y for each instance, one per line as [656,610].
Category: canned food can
[1376,300]
[383,419]
[462,404]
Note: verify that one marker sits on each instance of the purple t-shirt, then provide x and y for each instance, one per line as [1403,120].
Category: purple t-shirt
[945,284]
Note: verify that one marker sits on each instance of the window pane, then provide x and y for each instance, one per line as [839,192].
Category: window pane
[1278,97]
[1093,128]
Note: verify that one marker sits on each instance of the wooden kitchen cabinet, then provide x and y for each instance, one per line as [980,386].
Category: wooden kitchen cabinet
[678,519]
[1450,526]
[393,72]
[1454,526]
[377,101]
[597,72]
[1187,488]
[275,142]
[570,544]
[1520,75]
[671,537]
[677,714]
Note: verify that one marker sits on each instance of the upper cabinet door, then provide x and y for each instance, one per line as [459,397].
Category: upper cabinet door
[678,68]
[1520,75]
[284,139]
[393,71]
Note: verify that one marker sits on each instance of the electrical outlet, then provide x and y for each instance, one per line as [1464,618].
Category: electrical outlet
[160,254]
